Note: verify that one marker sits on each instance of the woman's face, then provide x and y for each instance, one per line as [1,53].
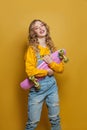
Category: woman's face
[40,29]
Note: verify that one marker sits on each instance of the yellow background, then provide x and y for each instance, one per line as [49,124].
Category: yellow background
[68,24]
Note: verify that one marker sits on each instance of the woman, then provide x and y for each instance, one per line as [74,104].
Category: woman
[40,47]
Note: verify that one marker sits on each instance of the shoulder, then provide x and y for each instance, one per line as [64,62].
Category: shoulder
[29,53]
[30,50]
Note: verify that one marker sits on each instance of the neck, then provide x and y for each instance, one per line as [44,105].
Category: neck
[42,41]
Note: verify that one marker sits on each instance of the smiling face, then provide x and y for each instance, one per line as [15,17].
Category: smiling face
[40,29]
[37,30]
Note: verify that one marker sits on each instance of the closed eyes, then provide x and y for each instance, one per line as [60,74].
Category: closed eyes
[37,27]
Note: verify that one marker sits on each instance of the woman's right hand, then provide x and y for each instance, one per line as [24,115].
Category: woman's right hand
[50,72]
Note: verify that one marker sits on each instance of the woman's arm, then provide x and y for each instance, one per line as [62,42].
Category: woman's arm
[57,67]
[30,65]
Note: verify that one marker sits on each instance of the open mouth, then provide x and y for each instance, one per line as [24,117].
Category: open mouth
[42,31]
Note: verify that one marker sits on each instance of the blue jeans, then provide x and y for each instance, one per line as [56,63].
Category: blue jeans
[49,94]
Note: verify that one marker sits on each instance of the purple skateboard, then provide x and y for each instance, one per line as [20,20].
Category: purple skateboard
[26,84]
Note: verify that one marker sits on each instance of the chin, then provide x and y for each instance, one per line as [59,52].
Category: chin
[43,35]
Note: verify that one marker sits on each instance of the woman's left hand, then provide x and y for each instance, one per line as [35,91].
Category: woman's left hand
[47,59]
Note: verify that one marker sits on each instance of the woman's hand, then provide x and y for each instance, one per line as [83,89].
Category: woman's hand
[47,59]
[50,72]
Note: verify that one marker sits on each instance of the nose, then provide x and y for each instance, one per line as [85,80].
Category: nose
[40,27]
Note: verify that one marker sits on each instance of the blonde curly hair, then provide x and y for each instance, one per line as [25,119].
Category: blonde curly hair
[33,38]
